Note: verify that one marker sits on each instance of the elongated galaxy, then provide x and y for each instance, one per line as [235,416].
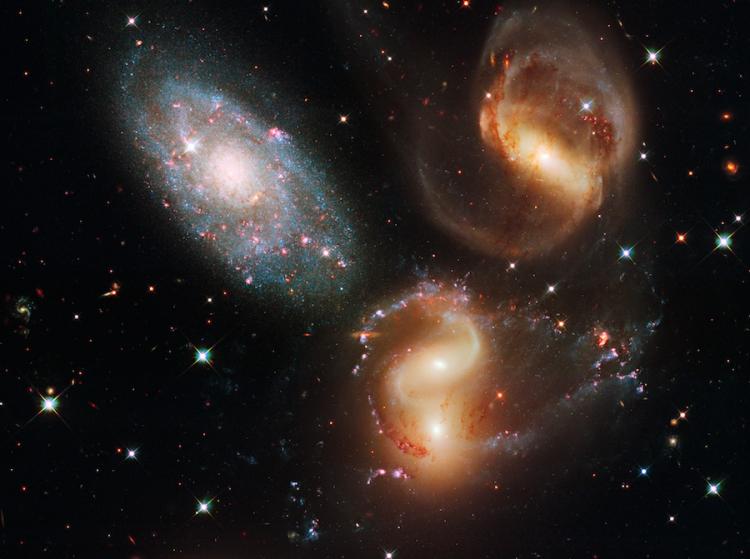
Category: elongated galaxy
[236,180]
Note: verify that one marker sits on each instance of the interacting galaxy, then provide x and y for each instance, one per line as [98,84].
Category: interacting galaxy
[384,279]
[458,383]
[552,138]
[237,183]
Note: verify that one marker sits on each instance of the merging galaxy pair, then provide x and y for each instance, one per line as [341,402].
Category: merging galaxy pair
[237,182]
[455,381]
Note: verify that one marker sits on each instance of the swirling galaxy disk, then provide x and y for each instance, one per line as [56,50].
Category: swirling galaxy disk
[455,384]
[555,127]
[236,181]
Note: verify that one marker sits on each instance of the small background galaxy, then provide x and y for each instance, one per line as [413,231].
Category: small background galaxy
[387,279]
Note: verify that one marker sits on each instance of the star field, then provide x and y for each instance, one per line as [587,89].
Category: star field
[386,279]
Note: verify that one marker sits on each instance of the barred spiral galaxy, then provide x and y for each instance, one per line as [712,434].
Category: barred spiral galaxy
[237,181]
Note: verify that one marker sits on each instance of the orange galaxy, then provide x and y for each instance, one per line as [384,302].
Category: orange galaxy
[555,128]
[430,386]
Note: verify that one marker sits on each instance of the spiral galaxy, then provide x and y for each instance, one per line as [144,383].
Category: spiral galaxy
[234,178]
[555,126]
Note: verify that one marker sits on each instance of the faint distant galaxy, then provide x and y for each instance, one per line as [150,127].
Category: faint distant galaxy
[229,171]
[458,382]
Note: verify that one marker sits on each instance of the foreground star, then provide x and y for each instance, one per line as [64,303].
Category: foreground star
[202,355]
[49,404]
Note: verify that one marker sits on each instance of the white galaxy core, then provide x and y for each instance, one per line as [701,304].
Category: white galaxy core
[231,173]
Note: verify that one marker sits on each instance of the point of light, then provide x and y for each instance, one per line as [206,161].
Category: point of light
[643,471]
[202,508]
[586,106]
[202,355]
[626,253]
[440,364]
[723,241]
[390,554]
[652,56]
[131,454]
[132,21]
[643,155]
[713,488]
[191,146]
[49,404]
[551,288]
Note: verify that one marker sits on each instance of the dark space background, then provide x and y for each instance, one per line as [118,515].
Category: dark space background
[256,435]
